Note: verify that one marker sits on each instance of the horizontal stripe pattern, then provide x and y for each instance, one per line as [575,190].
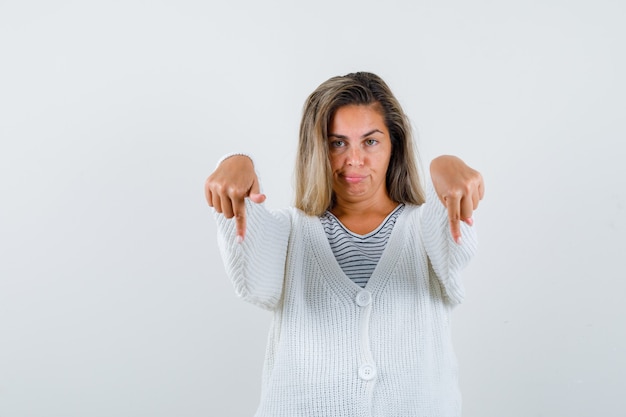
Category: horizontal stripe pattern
[356,254]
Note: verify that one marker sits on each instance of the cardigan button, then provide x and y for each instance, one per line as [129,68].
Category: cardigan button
[363,298]
[367,372]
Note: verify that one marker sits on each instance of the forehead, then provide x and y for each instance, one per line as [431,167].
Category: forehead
[355,116]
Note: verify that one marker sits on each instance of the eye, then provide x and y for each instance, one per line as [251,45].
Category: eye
[371,142]
[337,143]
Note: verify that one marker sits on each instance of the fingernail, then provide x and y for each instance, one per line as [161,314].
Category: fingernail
[458,240]
[239,238]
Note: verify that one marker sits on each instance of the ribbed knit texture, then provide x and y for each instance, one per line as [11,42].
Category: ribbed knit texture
[336,349]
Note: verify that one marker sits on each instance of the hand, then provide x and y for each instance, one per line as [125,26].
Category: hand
[228,186]
[459,188]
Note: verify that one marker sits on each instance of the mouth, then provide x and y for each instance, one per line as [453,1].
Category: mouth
[353,178]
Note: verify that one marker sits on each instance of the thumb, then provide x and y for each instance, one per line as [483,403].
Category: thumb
[257,198]
[255,193]
[469,221]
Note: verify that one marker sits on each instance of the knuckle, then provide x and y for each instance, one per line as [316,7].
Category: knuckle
[455,193]
[466,188]
[234,191]
[214,186]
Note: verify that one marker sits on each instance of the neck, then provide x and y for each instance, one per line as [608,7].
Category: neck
[362,217]
[369,207]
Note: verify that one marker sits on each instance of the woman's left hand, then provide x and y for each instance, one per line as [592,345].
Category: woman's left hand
[459,188]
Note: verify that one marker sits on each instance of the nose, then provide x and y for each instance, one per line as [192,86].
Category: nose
[355,156]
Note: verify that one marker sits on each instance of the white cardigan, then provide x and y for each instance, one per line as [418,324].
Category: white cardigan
[336,349]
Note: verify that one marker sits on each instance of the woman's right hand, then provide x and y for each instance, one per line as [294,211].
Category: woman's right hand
[228,186]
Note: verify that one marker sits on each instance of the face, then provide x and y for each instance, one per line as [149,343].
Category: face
[359,148]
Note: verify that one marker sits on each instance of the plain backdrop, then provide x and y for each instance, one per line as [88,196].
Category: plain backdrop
[113,297]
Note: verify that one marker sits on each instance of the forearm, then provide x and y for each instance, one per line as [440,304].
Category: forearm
[256,265]
[447,257]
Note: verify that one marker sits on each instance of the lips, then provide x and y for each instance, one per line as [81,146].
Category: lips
[353,178]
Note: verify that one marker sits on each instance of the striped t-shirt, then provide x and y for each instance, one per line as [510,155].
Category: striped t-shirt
[356,254]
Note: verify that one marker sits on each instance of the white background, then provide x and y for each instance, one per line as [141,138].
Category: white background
[113,298]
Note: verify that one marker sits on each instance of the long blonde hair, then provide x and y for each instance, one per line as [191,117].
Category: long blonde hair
[314,193]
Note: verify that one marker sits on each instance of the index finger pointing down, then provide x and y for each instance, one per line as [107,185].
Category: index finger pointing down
[239,210]
[454,217]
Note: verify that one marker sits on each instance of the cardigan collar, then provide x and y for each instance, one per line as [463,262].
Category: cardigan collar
[334,275]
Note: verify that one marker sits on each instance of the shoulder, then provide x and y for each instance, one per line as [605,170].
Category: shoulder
[411,220]
[295,217]
[412,212]
[298,215]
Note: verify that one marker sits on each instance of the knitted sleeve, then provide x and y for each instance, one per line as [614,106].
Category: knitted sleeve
[257,265]
[447,258]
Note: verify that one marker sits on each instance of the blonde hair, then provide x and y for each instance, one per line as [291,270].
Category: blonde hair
[314,193]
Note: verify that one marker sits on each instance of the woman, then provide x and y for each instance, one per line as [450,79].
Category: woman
[362,274]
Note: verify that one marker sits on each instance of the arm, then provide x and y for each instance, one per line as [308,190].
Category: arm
[255,264]
[447,257]
[451,199]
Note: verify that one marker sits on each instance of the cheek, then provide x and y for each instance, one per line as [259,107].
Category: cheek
[335,162]
[382,161]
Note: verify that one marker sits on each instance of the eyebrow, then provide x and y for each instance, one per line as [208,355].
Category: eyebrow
[334,135]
